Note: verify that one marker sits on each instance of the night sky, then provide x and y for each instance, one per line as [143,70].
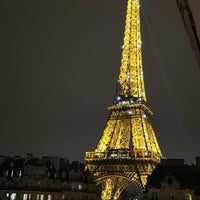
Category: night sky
[59,65]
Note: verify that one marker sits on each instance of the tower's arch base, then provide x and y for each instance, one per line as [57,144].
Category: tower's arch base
[112,186]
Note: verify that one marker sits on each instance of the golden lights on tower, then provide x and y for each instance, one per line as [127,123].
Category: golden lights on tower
[127,151]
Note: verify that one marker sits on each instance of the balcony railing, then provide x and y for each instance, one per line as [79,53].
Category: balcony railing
[123,154]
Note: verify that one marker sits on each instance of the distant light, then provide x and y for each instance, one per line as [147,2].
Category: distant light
[129,112]
[144,116]
[118,98]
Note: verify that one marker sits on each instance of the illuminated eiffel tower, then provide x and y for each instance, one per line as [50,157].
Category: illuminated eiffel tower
[127,151]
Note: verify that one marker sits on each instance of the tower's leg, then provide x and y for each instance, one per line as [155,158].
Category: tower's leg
[113,186]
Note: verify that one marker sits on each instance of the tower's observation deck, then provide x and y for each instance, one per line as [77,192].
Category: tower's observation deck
[127,150]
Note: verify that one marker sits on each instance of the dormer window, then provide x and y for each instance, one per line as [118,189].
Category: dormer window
[6,173]
[12,164]
[12,173]
[20,173]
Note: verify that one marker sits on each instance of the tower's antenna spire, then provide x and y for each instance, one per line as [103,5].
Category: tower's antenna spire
[131,80]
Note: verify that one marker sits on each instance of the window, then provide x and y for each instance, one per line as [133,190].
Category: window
[41,197]
[6,173]
[48,174]
[80,187]
[12,173]
[188,196]
[49,197]
[25,197]
[13,196]
[154,196]
[20,173]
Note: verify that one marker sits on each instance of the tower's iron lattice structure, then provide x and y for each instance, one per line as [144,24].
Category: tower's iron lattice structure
[128,150]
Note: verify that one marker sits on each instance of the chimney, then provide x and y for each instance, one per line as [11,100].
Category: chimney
[29,156]
[198,163]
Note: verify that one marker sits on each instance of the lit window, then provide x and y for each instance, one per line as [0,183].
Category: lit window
[12,173]
[20,173]
[49,197]
[7,194]
[25,196]
[41,197]
[13,196]
[80,187]
[38,197]
[29,196]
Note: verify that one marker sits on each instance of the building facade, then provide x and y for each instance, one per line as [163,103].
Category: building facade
[54,178]
[190,14]
[174,180]
[48,178]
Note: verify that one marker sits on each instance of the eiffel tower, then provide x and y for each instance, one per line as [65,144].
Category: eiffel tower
[127,151]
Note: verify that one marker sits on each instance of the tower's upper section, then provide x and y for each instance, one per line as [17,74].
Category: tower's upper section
[131,82]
